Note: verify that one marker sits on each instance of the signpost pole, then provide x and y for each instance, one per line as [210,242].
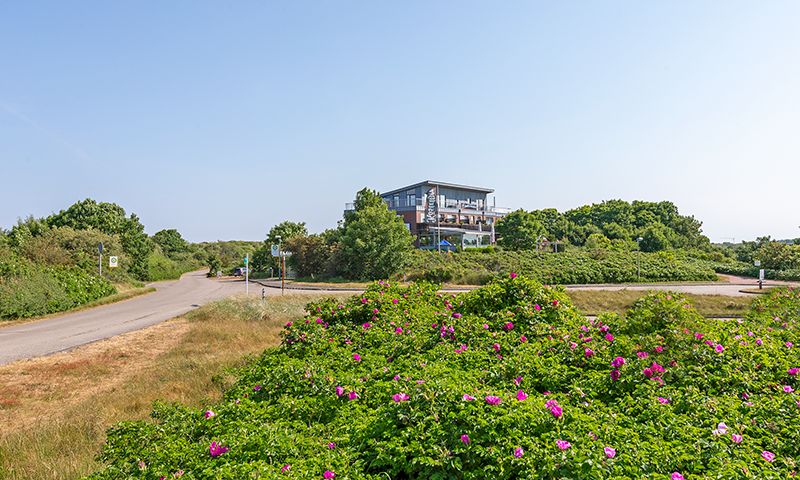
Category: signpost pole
[247,274]
[100,259]
[283,272]
[438,224]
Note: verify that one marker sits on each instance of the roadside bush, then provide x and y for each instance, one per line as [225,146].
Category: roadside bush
[570,267]
[29,291]
[409,383]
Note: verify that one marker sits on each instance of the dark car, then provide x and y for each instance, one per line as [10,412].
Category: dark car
[239,271]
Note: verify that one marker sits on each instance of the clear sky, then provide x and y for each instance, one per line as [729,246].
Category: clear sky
[224,118]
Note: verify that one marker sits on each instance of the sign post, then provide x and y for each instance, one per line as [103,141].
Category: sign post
[113,261]
[100,260]
[247,274]
[760,278]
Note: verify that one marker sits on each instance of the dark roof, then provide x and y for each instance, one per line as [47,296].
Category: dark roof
[440,184]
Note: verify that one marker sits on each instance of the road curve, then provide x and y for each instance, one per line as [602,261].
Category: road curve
[70,330]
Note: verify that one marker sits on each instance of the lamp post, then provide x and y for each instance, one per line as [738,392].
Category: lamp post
[638,258]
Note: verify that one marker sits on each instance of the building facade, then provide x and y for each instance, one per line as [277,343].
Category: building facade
[447,216]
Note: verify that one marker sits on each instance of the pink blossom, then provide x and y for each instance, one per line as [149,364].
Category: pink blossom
[519,452]
[467,397]
[521,395]
[789,344]
[563,444]
[788,389]
[398,330]
[721,429]
[456,315]
[615,374]
[517,381]
[486,326]
[366,325]
[328,475]
[610,452]
[363,300]
[573,345]
[642,354]
[339,391]
[352,395]
[555,303]
[289,324]
[356,357]
[719,348]
[609,337]
[509,326]
[588,352]
[286,468]
[768,456]
[618,362]
[523,339]
[536,307]
[465,439]
[512,275]
[677,476]
[758,342]
[331,445]
[216,449]
[793,371]
[493,400]
[395,301]
[554,408]
[659,349]
[400,397]
[209,414]
[736,438]
[648,372]
[663,400]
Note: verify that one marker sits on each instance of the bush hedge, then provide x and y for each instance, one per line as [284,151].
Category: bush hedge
[505,382]
[29,290]
[571,267]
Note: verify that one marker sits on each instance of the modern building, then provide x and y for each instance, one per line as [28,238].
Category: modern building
[447,216]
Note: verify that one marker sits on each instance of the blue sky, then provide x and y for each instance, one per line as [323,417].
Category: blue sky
[224,119]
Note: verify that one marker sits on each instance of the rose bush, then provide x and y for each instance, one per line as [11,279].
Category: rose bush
[506,382]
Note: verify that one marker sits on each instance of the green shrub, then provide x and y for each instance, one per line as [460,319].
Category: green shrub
[374,387]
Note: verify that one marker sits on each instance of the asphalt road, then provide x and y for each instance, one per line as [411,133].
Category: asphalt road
[64,332]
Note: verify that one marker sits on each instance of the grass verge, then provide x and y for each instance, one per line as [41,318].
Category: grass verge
[55,410]
[593,302]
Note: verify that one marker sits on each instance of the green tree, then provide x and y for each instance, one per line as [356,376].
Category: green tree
[375,242]
[654,239]
[171,242]
[519,230]
[310,255]
[111,219]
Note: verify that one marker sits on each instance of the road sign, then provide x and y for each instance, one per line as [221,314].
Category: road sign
[113,261]
[245,260]
[757,263]
[100,247]
[276,250]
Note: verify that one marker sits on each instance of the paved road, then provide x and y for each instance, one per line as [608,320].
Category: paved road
[70,330]
[731,287]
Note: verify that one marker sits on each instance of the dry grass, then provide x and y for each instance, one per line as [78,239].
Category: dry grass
[54,410]
[592,302]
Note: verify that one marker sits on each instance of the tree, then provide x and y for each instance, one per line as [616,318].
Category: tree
[654,240]
[519,230]
[375,242]
[310,255]
[109,218]
[171,242]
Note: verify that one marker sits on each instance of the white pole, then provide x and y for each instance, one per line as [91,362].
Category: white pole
[247,274]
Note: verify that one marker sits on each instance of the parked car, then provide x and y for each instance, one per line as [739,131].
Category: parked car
[239,271]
